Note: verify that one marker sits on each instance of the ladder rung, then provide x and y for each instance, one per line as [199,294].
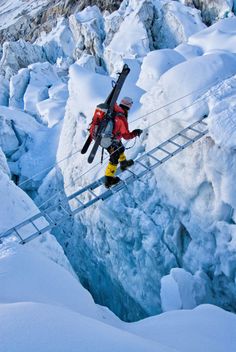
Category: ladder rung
[106,194]
[204,123]
[164,150]
[93,194]
[183,135]
[15,230]
[68,212]
[98,183]
[135,175]
[119,186]
[79,201]
[177,145]
[48,218]
[37,229]
[194,130]
[153,157]
[139,162]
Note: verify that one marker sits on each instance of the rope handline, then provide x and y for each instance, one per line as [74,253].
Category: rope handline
[174,101]
[87,171]
[49,167]
[176,112]
[138,118]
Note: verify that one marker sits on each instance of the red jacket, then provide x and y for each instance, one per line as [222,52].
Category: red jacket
[121,128]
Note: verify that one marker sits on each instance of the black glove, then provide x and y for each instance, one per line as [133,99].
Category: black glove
[137,132]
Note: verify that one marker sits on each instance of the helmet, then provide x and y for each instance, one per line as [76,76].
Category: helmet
[127,102]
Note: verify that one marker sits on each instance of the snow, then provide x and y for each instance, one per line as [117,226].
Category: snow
[78,331]
[59,42]
[4,91]
[18,85]
[166,244]
[220,36]
[18,55]
[10,10]
[52,300]
[182,290]
[3,163]
[137,19]
[35,138]
[206,327]
[188,51]
[155,64]
[222,123]
[87,28]
[181,230]
[175,23]
[188,79]
[52,110]
[89,63]
[42,77]
[44,282]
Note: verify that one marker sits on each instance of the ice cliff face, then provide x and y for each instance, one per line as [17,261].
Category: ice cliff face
[181,216]
[27,19]
[168,242]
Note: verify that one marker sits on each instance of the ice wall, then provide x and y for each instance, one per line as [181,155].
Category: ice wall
[182,215]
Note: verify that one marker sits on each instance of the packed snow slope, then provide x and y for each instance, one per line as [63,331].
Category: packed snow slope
[52,312]
[165,244]
[43,306]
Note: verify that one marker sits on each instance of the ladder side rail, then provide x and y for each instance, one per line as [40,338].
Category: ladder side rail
[149,154]
[68,212]
[93,185]
[139,162]
[45,229]
[79,201]
[99,182]
[194,130]
[184,136]
[48,218]
[164,150]
[37,233]
[93,194]
[194,124]
[21,224]
[86,205]
[199,122]
[18,235]
[202,122]
[34,225]
[200,135]
[176,144]
[29,220]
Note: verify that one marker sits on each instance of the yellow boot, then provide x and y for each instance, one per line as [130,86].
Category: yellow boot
[122,157]
[110,178]
[124,163]
[110,170]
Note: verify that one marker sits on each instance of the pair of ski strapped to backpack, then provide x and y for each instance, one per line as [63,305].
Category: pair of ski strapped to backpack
[102,123]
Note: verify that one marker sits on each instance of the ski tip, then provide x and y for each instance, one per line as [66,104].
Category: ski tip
[126,68]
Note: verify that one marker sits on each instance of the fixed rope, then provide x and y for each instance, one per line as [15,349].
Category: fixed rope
[131,122]
[52,223]
[105,158]
[80,200]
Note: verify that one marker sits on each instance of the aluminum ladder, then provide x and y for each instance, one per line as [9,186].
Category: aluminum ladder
[84,198]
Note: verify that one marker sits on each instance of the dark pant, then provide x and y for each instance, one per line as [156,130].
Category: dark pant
[115,150]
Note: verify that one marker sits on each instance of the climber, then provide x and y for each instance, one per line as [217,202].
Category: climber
[116,149]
